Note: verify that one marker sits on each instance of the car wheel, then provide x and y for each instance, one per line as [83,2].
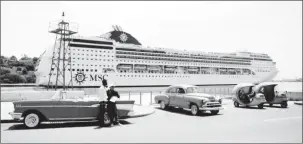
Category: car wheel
[260,106]
[32,120]
[106,119]
[162,105]
[270,105]
[214,112]
[236,104]
[194,109]
[284,104]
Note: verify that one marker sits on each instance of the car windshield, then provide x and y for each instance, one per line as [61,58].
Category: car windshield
[192,90]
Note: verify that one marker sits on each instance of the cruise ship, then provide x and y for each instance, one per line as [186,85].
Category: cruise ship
[121,59]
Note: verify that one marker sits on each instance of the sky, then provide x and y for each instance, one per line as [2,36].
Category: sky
[271,27]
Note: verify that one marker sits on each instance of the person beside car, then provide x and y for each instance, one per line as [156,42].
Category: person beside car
[102,97]
[112,96]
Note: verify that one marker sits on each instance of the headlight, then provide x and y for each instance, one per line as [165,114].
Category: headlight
[204,101]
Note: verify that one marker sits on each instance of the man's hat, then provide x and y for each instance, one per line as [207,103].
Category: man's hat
[111,85]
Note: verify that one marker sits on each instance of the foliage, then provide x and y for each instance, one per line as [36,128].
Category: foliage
[13,58]
[4,71]
[27,75]
[35,59]
[30,67]
[13,78]
[31,79]
[24,72]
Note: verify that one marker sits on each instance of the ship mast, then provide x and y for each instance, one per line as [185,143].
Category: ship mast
[61,58]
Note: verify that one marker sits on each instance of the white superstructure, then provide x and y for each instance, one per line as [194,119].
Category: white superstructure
[118,57]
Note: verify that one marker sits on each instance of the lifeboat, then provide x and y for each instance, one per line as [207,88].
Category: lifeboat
[154,68]
[195,69]
[124,66]
[140,66]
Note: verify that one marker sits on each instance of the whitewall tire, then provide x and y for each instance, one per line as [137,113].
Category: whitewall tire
[162,105]
[194,109]
[32,120]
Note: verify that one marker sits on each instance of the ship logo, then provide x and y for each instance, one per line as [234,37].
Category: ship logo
[123,37]
[80,77]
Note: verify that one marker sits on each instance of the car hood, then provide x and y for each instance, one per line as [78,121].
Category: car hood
[201,96]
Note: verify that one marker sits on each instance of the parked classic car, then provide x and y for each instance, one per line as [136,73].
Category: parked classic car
[61,108]
[245,94]
[188,97]
[272,95]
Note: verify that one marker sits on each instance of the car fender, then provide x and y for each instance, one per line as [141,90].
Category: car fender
[193,100]
[162,97]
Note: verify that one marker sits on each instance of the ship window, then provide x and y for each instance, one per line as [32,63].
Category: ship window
[95,70]
[77,69]
[87,70]
[82,69]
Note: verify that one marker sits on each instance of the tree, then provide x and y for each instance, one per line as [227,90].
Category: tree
[30,68]
[35,59]
[24,57]
[31,79]
[13,78]
[4,71]
[24,72]
[13,58]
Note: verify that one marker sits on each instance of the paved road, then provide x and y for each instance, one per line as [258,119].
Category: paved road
[271,124]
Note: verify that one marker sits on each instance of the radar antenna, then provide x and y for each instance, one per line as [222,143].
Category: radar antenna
[61,70]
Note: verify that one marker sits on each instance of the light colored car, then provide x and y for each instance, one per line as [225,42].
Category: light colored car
[58,108]
[272,95]
[188,97]
[245,94]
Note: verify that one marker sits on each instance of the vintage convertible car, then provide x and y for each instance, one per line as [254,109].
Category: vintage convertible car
[272,96]
[245,94]
[63,108]
[188,97]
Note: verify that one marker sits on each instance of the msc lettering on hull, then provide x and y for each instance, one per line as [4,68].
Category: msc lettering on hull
[81,77]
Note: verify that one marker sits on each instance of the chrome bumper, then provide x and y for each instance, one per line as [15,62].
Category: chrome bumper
[15,116]
[211,108]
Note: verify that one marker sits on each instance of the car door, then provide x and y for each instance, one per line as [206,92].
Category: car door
[59,109]
[179,98]
[171,94]
[88,109]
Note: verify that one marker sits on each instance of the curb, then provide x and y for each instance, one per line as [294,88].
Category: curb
[141,115]
[298,103]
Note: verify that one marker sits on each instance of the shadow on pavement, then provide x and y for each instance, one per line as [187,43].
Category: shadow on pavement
[275,106]
[186,112]
[251,107]
[62,125]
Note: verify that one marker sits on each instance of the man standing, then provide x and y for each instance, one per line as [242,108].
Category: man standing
[112,96]
[102,97]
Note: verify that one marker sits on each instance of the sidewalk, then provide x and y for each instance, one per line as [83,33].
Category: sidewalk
[137,111]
